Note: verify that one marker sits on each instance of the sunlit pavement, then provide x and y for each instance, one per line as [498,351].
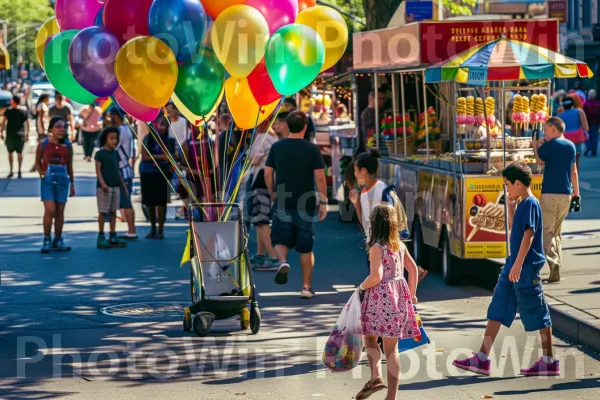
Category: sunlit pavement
[56,341]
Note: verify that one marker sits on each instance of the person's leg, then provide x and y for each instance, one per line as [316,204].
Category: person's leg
[264,238]
[59,220]
[162,217]
[392,357]
[594,139]
[20,161]
[305,238]
[260,244]
[563,204]
[282,252]
[307,262]
[489,337]
[10,163]
[546,338]
[101,222]
[550,214]
[373,356]
[152,217]
[128,213]
[49,212]
[113,222]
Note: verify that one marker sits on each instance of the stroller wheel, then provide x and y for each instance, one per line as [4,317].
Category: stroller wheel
[202,325]
[245,319]
[254,319]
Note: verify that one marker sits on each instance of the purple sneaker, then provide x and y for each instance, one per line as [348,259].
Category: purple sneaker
[474,364]
[540,368]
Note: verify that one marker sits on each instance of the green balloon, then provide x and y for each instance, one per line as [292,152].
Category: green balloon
[295,55]
[200,82]
[56,63]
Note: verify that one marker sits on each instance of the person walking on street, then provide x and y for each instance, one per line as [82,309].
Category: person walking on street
[62,109]
[108,187]
[54,163]
[292,169]
[576,125]
[560,185]
[16,124]
[289,105]
[126,151]
[42,119]
[155,170]
[90,128]
[592,112]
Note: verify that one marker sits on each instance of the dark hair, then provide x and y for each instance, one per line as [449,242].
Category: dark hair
[368,160]
[292,101]
[17,100]
[54,121]
[557,123]
[297,121]
[518,171]
[42,98]
[57,93]
[283,116]
[105,132]
[384,227]
[568,103]
[115,112]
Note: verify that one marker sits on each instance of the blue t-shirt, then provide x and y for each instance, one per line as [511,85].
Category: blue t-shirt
[558,156]
[528,215]
[155,149]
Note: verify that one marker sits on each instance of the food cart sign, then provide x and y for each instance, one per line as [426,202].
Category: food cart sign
[485,225]
[477,76]
[558,9]
[441,41]
[420,10]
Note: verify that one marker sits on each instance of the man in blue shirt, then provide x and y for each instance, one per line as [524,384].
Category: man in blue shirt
[560,185]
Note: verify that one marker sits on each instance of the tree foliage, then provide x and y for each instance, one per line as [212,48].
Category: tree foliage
[23,16]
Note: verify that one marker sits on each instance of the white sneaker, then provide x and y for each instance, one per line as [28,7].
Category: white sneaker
[307,293]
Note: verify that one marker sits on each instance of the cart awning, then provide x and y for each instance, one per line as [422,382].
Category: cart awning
[504,59]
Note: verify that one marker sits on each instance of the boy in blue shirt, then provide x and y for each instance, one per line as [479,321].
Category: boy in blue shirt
[520,284]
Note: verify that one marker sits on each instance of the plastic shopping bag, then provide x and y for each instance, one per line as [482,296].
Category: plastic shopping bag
[413,343]
[344,346]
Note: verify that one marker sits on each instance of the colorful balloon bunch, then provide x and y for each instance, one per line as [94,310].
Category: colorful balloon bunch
[143,53]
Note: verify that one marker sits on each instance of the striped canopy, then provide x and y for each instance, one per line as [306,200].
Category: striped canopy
[507,60]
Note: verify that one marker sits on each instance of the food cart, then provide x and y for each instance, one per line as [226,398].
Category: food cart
[477,71]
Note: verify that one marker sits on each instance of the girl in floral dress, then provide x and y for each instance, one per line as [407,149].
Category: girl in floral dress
[387,307]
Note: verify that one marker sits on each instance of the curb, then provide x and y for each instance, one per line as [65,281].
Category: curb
[579,326]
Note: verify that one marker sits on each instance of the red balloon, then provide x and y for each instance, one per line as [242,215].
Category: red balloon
[261,85]
[127,19]
[304,4]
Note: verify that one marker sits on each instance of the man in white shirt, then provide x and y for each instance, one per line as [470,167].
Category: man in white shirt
[126,151]
[179,129]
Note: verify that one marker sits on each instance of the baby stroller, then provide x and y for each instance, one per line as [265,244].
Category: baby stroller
[221,279]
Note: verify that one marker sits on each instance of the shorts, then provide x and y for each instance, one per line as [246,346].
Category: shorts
[261,207]
[125,201]
[294,230]
[108,202]
[55,185]
[155,189]
[15,143]
[579,148]
[525,296]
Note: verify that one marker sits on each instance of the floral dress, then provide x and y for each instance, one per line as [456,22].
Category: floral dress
[387,309]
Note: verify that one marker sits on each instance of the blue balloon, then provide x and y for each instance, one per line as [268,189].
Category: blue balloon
[98,21]
[181,24]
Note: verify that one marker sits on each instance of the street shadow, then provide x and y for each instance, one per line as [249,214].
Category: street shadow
[450,381]
[586,291]
[582,384]
[587,254]
[581,247]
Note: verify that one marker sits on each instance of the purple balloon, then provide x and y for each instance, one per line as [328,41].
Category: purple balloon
[133,108]
[92,60]
[76,14]
[278,13]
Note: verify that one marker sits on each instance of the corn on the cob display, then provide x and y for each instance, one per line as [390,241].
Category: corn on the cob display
[461,111]
[479,113]
[525,104]
[543,108]
[490,107]
[534,108]
[518,114]
[470,110]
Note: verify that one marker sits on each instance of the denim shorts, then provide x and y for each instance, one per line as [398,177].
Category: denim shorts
[293,229]
[125,200]
[525,296]
[55,185]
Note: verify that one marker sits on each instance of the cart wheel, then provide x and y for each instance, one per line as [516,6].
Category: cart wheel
[201,325]
[254,320]
[187,325]
[245,319]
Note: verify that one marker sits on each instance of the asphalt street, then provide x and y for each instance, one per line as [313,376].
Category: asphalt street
[95,324]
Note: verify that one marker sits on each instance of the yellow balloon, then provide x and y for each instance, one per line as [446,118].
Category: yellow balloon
[146,69]
[239,38]
[244,108]
[194,119]
[331,27]
[48,29]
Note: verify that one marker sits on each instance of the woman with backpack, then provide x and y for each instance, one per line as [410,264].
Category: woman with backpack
[54,163]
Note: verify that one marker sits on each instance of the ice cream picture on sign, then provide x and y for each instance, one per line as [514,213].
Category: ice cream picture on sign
[486,216]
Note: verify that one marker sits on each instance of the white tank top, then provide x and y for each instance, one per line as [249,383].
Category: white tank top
[369,198]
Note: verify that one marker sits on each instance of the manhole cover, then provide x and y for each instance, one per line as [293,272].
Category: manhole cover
[144,310]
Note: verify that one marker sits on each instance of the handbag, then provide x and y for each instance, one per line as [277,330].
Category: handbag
[413,343]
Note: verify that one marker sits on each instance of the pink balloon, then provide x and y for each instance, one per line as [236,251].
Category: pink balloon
[278,13]
[127,19]
[76,14]
[133,108]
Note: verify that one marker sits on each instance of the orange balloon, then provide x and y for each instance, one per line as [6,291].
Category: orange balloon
[244,108]
[304,4]
[216,7]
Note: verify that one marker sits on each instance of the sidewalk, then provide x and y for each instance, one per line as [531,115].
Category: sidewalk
[575,301]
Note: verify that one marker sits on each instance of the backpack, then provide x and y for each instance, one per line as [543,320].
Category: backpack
[389,195]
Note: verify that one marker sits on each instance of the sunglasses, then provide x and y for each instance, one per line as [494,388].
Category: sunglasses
[60,125]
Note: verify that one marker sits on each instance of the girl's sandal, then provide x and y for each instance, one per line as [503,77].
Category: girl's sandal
[370,388]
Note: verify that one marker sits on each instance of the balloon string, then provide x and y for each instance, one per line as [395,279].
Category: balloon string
[184,156]
[200,172]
